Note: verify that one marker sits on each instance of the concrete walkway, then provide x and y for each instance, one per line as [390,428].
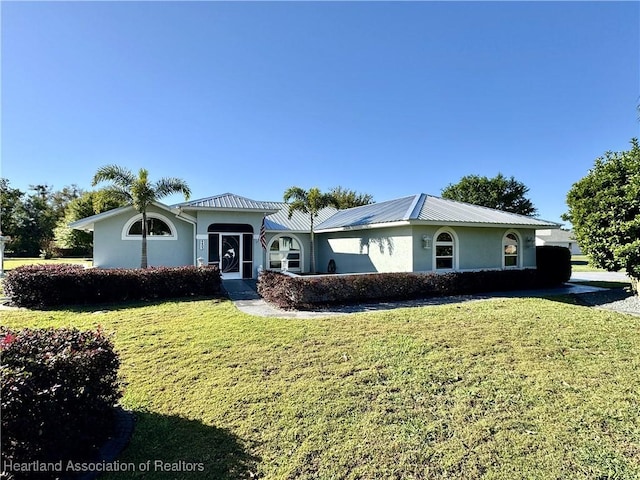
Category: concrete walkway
[599,277]
[244,295]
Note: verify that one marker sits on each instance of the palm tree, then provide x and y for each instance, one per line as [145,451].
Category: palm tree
[138,192]
[310,202]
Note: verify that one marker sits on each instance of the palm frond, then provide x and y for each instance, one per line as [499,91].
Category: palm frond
[112,194]
[300,200]
[168,186]
[120,176]
[295,193]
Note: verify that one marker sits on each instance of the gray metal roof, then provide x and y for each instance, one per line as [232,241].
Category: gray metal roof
[278,220]
[436,209]
[423,208]
[556,235]
[383,212]
[299,222]
[229,201]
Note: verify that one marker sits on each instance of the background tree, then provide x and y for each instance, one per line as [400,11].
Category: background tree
[61,199]
[499,192]
[346,198]
[309,202]
[34,220]
[604,209]
[10,200]
[78,242]
[138,192]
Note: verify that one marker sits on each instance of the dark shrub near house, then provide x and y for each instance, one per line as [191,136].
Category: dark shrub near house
[553,264]
[41,286]
[59,387]
[306,292]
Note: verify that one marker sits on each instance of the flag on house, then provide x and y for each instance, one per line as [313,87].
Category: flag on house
[263,236]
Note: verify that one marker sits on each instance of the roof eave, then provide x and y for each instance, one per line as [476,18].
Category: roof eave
[87,224]
[488,224]
[351,228]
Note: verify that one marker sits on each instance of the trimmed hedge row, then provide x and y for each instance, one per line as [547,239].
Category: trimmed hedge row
[41,286]
[306,292]
[553,264]
[58,390]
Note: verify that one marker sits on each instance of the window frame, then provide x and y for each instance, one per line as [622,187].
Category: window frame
[289,269]
[158,216]
[455,247]
[517,255]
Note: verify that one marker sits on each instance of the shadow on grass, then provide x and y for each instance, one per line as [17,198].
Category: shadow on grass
[582,263]
[175,447]
[128,305]
[594,299]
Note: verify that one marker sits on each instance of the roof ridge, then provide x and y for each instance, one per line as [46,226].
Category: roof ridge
[416,205]
[221,195]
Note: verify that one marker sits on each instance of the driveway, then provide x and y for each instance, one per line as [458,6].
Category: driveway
[599,277]
[244,296]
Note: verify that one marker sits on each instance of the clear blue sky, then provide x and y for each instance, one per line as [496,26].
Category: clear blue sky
[385,98]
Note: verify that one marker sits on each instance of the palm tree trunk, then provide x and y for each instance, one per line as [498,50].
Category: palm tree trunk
[313,248]
[143,259]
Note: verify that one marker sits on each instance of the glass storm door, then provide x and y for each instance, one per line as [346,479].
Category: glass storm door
[231,256]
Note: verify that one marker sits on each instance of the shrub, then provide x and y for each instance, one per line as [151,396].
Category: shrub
[553,264]
[58,390]
[40,286]
[306,292]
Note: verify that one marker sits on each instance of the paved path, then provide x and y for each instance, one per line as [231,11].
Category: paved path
[599,277]
[244,296]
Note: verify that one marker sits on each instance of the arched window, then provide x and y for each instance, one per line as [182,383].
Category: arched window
[285,248]
[159,227]
[445,253]
[511,250]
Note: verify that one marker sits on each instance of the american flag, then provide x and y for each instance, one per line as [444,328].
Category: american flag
[263,236]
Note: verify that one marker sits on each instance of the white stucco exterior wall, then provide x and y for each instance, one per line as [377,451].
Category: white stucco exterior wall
[110,250]
[368,250]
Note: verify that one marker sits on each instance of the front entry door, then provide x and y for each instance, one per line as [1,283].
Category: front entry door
[231,255]
[232,251]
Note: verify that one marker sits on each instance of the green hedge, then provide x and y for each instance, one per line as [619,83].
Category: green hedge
[42,286]
[553,264]
[58,390]
[306,292]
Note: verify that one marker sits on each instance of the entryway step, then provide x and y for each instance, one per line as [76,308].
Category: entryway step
[241,289]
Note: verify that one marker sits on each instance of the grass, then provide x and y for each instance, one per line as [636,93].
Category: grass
[11,262]
[581,263]
[499,389]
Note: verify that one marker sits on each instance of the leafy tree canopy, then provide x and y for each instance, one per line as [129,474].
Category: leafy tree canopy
[345,198]
[604,208]
[10,200]
[499,192]
[86,205]
[29,218]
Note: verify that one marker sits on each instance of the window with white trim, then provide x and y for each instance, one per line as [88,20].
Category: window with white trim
[285,248]
[511,250]
[444,251]
[159,227]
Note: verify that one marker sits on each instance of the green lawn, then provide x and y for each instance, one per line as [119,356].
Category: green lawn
[11,263]
[581,263]
[499,389]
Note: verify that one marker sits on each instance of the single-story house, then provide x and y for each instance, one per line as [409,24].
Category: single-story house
[558,238]
[417,233]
